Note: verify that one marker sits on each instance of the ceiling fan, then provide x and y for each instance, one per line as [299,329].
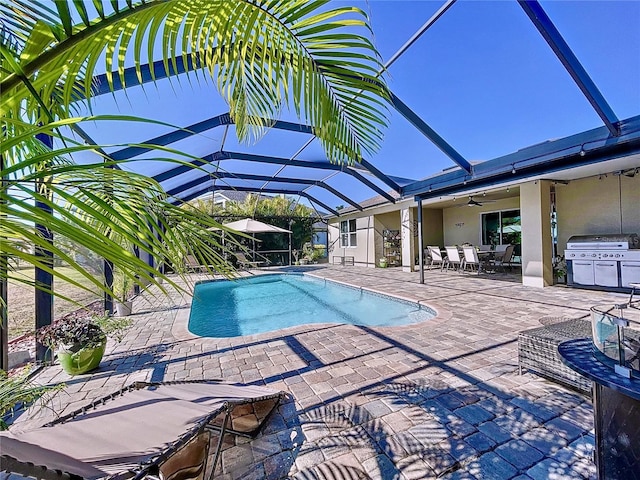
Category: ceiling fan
[474,203]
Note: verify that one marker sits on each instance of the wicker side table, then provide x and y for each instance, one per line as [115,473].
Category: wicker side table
[538,352]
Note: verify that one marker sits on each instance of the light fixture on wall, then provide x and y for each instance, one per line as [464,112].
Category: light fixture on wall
[513,168]
[582,152]
[508,189]
[429,188]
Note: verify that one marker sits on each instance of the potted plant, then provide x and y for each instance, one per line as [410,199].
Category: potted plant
[560,269]
[122,286]
[79,343]
[308,254]
[382,262]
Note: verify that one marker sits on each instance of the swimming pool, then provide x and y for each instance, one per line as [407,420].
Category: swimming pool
[265,303]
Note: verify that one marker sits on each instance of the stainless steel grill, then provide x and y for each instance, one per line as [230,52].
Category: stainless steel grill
[609,261]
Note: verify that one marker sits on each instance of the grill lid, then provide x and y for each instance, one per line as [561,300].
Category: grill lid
[615,241]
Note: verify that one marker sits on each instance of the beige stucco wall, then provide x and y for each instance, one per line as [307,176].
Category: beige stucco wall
[462,224]
[388,221]
[364,252]
[598,206]
[432,227]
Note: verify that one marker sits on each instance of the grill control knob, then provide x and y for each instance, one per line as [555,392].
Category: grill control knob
[593,254]
[605,255]
[582,254]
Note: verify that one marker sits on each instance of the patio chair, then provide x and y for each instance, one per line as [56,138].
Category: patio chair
[471,259]
[193,265]
[144,430]
[505,259]
[453,258]
[436,256]
[500,250]
[244,263]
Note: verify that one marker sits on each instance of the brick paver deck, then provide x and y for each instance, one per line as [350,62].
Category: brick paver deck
[440,399]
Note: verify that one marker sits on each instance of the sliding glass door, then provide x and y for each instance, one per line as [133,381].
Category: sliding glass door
[501,227]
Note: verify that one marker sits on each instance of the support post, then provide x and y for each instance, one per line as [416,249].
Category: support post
[420,242]
[136,287]
[4,289]
[44,279]
[407,234]
[108,282]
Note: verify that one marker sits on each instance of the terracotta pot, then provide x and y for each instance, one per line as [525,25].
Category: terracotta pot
[82,361]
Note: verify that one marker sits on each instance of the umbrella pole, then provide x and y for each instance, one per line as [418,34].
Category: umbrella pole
[289,248]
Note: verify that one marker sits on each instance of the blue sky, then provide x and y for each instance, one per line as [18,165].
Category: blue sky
[482,77]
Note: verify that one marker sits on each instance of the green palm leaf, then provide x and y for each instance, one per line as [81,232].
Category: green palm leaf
[263,56]
[109,210]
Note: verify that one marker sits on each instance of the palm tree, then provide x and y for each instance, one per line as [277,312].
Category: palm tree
[261,55]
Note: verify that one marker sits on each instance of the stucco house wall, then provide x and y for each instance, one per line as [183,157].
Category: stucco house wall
[364,252]
[432,231]
[610,204]
[462,224]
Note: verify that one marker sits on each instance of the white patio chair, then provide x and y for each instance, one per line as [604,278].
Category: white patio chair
[436,256]
[453,258]
[471,259]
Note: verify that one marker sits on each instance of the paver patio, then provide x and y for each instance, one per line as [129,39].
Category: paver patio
[440,399]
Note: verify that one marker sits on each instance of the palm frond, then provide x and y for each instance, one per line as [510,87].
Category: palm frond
[111,212]
[262,56]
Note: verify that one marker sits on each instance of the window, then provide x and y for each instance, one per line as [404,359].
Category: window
[348,233]
[501,227]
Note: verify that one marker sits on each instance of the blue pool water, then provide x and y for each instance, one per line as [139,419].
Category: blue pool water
[270,302]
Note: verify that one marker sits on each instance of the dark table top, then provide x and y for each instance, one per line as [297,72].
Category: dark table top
[578,355]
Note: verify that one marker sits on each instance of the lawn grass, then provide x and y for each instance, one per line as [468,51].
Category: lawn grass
[21,300]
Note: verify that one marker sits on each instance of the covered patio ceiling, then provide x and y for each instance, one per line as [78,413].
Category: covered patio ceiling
[288,159]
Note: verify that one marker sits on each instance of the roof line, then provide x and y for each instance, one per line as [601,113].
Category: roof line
[552,35]
[589,147]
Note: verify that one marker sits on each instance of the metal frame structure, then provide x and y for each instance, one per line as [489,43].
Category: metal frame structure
[616,138]
[553,156]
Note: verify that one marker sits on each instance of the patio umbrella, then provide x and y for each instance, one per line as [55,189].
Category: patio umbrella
[512,229]
[249,225]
